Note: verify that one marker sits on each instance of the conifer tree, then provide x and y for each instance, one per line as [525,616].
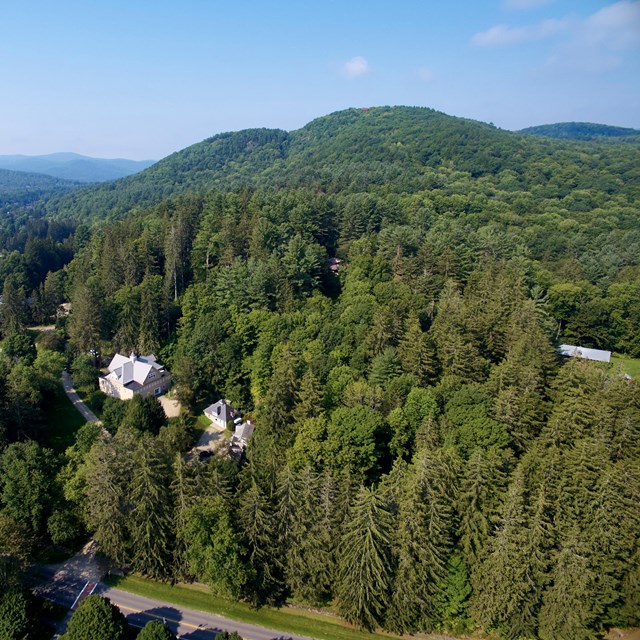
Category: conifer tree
[309,398]
[424,540]
[481,491]
[416,352]
[151,515]
[508,581]
[568,611]
[108,489]
[260,530]
[365,564]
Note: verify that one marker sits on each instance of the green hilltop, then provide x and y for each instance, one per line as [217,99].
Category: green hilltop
[400,147]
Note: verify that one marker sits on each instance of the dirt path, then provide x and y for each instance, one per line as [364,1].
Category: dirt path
[72,394]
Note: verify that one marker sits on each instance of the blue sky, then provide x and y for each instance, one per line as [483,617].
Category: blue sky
[141,79]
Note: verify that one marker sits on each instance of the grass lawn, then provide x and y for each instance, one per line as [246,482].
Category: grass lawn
[63,420]
[628,365]
[285,619]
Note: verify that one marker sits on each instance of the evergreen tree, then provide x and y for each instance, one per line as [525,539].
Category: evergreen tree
[13,311]
[261,534]
[365,564]
[424,541]
[568,611]
[15,617]
[150,518]
[482,487]
[110,468]
[309,398]
[509,580]
[416,352]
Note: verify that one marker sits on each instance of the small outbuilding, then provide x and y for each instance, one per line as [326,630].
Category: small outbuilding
[241,436]
[572,351]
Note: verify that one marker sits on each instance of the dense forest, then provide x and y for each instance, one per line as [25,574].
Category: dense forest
[423,460]
[18,188]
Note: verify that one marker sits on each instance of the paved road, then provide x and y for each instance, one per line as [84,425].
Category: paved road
[87,414]
[188,624]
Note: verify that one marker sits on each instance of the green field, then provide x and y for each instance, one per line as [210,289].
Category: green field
[285,619]
[630,366]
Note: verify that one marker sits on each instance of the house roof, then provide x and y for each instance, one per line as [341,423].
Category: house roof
[222,410]
[244,431]
[573,351]
[132,371]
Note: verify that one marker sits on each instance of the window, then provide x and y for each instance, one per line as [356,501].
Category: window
[157,391]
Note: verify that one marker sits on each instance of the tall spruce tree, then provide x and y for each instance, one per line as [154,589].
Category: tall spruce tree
[151,514]
[424,538]
[260,528]
[365,564]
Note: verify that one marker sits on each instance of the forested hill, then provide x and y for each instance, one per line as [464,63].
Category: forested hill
[21,188]
[582,131]
[399,147]
[423,461]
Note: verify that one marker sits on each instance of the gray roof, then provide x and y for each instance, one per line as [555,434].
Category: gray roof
[244,431]
[221,409]
[572,351]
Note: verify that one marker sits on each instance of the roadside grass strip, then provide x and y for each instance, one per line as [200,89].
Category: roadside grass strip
[284,620]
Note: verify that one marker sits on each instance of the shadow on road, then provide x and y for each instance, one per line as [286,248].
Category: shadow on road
[169,615]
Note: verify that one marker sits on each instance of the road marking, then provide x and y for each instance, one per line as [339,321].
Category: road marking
[155,615]
[78,596]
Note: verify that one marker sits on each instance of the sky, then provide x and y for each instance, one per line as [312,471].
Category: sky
[141,79]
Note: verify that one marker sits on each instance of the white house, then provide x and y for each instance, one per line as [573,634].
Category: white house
[571,351]
[128,376]
[221,414]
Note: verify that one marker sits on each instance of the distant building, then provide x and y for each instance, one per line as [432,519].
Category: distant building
[334,264]
[222,414]
[571,351]
[63,310]
[135,375]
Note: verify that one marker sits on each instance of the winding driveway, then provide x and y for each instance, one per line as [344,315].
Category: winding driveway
[72,394]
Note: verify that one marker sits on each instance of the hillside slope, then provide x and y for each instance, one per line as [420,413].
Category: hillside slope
[399,147]
[21,188]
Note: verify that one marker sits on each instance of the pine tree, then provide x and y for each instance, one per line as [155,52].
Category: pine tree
[309,398]
[365,564]
[108,486]
[151,312]
[309,552]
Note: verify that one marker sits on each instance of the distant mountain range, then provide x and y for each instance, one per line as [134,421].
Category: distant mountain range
[72,166]
[580,131]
